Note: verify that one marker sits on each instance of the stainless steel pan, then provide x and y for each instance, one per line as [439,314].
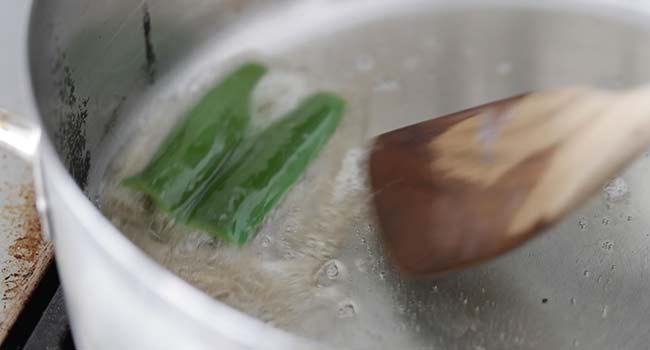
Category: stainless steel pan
[584,285]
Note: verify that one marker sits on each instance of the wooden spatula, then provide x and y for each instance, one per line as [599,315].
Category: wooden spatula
[465,187]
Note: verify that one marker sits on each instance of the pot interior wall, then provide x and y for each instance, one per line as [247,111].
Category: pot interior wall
[95,62]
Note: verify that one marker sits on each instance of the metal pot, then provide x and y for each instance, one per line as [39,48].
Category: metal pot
[582,285]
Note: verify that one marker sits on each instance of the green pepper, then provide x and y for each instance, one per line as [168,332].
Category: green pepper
[234,202]
[202,143]
[248,177]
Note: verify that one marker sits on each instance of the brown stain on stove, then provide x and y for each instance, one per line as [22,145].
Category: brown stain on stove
[29,254]
[24,246]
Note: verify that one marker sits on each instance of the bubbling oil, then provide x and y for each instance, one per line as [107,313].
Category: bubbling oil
[301,272]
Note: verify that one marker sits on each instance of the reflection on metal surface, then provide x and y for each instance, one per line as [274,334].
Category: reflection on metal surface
[16,134]
[23,253]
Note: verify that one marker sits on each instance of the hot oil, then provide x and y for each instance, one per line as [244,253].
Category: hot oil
[316,268]
[301,272]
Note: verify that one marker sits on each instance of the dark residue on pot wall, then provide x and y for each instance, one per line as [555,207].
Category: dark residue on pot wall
[150,55]
[71,133]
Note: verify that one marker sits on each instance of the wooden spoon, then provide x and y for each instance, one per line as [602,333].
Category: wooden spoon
[466,187]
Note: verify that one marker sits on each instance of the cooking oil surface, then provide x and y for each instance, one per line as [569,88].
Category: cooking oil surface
[301,271]
[316,267]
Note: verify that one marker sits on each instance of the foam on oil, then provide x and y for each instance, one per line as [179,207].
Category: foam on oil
[298,272]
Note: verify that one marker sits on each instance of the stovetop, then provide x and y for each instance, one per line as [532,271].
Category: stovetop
[43,323]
